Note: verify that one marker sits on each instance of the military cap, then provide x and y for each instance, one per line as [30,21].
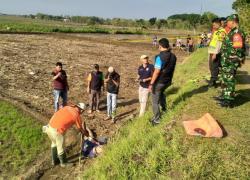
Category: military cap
[233,17]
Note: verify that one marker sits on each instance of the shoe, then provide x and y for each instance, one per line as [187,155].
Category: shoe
[212,84]
[113,120]
[218,98]
[98,110]
[90,111]
[107,118]
[154,122]
[55,159]
[226,104]
[164,110]
[63,161]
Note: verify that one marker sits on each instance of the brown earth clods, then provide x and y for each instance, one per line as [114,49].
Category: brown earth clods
[25,76]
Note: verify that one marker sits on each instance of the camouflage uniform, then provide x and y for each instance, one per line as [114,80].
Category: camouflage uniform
[232,56]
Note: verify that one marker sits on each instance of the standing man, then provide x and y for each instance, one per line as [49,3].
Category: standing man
[60,122]
[232,57]
[145,72]
[214,50]
[162,78]
[112,79]
[95,84]
[154,41]
[190,44]
[60,85]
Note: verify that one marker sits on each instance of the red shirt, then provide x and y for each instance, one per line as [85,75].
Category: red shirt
[65,118]
[61,82]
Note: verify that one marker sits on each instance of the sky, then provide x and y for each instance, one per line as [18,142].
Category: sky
[133,9]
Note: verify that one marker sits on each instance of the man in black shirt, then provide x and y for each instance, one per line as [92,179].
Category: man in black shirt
[95,84]
[162,78]
[112,79]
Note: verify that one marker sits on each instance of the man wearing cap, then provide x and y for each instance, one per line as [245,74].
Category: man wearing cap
[214,50]
[224,24]
[112,79]
[60,85]
[162,78]
[95,84]
[60,122]
[145,72]
[232,57]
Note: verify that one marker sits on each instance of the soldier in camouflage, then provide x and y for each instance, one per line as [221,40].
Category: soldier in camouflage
[232,57]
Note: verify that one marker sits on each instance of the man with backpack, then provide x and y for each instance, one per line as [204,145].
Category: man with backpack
[162,78]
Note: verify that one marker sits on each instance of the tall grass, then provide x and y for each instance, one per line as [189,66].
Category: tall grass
[140,151]
[21,139]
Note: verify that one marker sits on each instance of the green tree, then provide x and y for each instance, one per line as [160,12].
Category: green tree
[152,21]
[242,7]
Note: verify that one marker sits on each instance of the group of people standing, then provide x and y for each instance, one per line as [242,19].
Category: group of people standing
[95,86]
[226,54]
[152,79]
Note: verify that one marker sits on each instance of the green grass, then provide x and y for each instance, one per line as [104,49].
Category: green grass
[21,139]
[140,151]
[14,24]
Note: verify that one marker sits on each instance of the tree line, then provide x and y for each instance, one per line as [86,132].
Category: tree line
[177,21]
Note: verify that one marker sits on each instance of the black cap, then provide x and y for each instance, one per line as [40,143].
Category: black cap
[223,19]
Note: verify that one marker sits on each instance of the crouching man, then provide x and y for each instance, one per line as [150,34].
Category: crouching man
[60,122]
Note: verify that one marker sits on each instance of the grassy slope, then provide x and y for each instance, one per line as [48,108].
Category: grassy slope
[20,137]
[140,151]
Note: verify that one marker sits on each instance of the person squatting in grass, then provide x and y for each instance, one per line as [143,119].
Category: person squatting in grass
[112,79]
[60,122]
[145,72]
[214,47]
[95,84]
[60,85]
[162,78]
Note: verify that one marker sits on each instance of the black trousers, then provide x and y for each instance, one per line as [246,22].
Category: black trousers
[159,99]
[214,66]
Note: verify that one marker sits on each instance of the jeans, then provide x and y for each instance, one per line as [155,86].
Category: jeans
[57,94]
[111,104]
[159,99]
[94,99]
[143,98]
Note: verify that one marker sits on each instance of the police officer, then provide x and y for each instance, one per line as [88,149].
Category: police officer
[215,44]
[232,56]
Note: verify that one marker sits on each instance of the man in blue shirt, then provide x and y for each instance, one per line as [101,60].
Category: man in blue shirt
[162,78]
[145,72]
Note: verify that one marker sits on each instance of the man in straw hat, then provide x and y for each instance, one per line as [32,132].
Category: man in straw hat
[60,122]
